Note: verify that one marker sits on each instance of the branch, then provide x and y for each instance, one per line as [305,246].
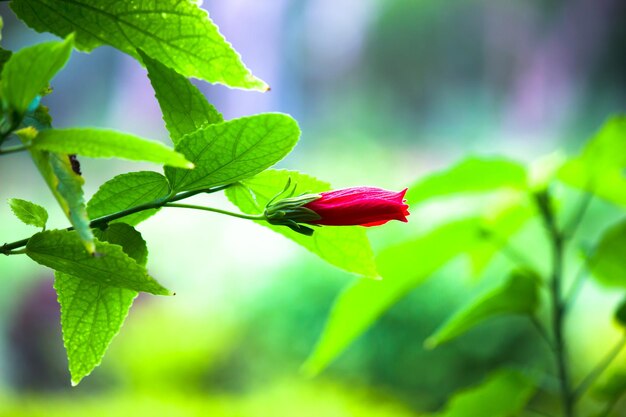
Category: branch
[9,248]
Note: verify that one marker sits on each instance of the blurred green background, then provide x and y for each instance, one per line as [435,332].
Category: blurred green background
[385,91]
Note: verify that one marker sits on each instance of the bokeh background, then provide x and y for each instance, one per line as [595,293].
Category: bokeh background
[385,91]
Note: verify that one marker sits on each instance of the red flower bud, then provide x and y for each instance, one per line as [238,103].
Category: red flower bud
[364,206]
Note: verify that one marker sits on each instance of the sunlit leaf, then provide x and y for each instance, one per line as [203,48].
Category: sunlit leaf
[503,394]
[184,108]
[29,213]
[101,143]
[30,70]
[607,260]
[178,33]
[345,247]
[471,175]
[93,313]
[62,251]
[600,167]
[231,151]
[403,268]
[126,191]
[518,295]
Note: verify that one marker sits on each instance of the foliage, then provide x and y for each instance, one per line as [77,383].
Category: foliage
[100,260]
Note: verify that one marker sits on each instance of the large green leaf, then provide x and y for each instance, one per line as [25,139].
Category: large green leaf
[93,313]
[403,268]
[178,33]
[62,251]
[470,175]
[228,152]
[100,143]
[345,247]
[30,70]
[607,263]
[29,213]
[127,191]
[600,167]
[184,108]
[518,295]
[503,394]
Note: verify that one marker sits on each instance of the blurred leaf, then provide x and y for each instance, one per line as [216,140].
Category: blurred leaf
[499,225]
[599,169]
[100,143]
[503,394]
[93,313]
[126,191]
[620,314]
[30,70]
[62,251]
[518,295]
[612,388]
[178,33]
[345,247]
[231,151]
[607,261]
[471,175]
[29,213]
[5,55]
[184,108]
[403,268]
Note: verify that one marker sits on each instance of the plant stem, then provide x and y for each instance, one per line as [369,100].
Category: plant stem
[544,204]
[13,149]
[599,368]
[216,210]
[9,248]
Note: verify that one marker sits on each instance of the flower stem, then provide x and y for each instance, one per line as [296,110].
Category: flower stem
[544,203]
[9,248]
[216,210]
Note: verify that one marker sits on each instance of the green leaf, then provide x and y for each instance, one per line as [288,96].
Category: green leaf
[92,313]
[499,225]
[5,55]
[503,394]
[599,169]
[471,175]
[228,152]
[100,143]
[62,251]
[620,314]
[178,33]
[126,191]
[66,186]
[345,247]
[29,213]
[612,388]
[607,261]
[30,70]
[58,173]
[403,268]
[184,108]
[518,295]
